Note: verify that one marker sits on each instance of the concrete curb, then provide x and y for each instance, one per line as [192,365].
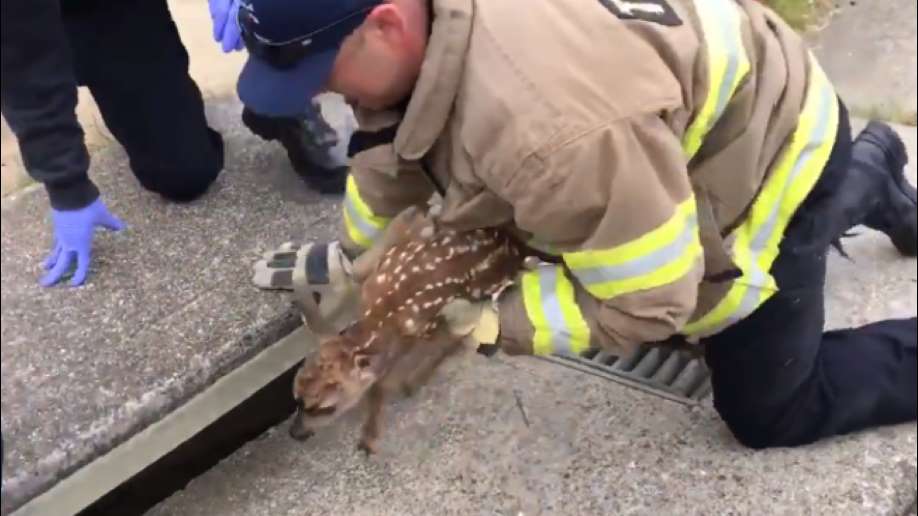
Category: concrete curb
[107,472]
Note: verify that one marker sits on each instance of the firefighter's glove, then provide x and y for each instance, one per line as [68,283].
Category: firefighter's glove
[478,321]
[319,270]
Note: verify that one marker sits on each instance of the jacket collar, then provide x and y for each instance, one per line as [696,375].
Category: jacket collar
[435,91]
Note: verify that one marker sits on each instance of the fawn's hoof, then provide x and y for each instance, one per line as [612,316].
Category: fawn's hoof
[408,390]
[367,446]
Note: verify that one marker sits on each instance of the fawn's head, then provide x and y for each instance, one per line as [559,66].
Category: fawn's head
[331,382]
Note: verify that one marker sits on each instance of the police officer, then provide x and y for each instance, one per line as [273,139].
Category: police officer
[681,166]
[130,56]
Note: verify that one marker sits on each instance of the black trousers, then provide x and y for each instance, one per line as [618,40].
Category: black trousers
[778,378]
[130,56]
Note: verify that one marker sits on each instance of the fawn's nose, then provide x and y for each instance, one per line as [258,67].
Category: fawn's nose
[298,428]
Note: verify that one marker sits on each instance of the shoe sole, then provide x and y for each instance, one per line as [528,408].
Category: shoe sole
[896,157]
[905,236]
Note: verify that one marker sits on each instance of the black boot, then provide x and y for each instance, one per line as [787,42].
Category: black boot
[889,205]
[306,144]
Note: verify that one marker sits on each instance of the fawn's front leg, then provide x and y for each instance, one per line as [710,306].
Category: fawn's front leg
[373,425]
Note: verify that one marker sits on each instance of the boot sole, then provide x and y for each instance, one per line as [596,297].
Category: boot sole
[896,157]
[905,236]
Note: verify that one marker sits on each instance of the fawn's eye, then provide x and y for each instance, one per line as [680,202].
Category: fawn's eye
[362,362]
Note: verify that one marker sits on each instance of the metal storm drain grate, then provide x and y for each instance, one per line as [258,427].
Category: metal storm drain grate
[672,374]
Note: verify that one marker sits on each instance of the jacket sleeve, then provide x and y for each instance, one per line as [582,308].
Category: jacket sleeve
[616,207]
[39,96]
[379,184]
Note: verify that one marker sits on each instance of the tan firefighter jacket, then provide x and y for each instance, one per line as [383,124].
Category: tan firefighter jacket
[655,149]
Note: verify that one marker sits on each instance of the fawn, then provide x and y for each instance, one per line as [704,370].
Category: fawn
[400,338]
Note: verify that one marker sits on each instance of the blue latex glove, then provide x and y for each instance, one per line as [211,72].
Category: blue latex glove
[226,30]
[73,231]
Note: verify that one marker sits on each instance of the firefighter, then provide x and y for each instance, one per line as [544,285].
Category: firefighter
[682,167]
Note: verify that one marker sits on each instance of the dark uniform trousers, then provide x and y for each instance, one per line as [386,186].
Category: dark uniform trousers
[129,54]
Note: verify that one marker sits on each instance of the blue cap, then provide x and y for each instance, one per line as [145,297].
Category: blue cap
[292,47]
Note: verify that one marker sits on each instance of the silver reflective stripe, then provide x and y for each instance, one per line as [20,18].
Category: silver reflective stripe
[367,229]
[758,243]
[643,265]
[561,337]
[731,32]
[758,277]
[721,25]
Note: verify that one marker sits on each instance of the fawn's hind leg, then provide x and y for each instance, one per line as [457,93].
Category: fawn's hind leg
[372,427]
[434,353]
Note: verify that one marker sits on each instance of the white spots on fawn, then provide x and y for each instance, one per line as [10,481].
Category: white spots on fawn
[415,269]
[410,324]
[381,278]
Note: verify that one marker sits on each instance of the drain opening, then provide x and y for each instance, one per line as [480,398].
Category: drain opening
[671,373]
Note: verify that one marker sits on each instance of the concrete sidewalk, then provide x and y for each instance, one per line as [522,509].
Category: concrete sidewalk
[576,444]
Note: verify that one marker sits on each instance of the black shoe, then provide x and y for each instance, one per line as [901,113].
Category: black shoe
[307,143]
[879,152]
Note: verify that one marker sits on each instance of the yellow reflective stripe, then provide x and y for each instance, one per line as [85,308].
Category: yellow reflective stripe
[758,239]
[363,226]
[658,257]
[560,328]
[728,64]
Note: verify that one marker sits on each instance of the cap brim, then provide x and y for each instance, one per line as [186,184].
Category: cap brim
[273,92]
